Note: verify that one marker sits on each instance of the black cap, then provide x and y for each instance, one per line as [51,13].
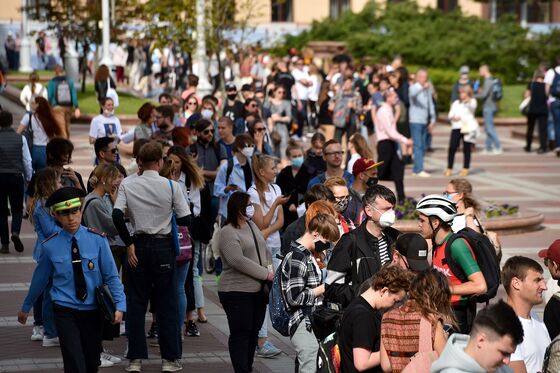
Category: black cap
[230,86]
[246,87]
[191,121]
[415,249]
[65,198]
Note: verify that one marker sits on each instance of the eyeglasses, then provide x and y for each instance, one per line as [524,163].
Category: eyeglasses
[191,103]
[260,129]
[112,151]
[334,153]
[206,132]
[253,105]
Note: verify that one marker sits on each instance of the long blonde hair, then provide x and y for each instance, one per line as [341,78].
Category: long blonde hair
[361,145]
[45,185]
[465,187]
[260,161]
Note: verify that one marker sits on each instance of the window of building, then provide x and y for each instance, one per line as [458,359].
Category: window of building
[447,6]
[537,12]
[281,10]
[337,7]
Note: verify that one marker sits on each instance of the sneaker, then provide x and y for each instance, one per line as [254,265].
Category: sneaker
[18,245]
[464,172]
[486,152]
[448,172]
[105,363]
[268,350]
[50,342]
[5,249]
[192,330]
[154,343]
[497,151]
[134,365]
[422,174]
[171,365]
[111,358]
[37,333]
[153,333]
[122,329]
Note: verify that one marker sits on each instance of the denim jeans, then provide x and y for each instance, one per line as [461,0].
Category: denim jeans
[38,157]
[155,270]
[197,274]
[555,109]
[492,140]
[418,131]
[181,299]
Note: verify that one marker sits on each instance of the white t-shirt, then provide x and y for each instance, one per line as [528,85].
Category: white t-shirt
[102,126]
[460,222]
[39,135]
[302,91]
[274,192]
[549,78]
[192,195]
[535,342]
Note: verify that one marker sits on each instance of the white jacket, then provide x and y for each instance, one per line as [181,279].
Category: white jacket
[26,95]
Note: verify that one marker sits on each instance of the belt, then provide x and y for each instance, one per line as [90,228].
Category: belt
[146,235]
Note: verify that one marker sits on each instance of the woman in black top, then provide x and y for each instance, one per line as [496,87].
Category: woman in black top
[538,112]
[102,81]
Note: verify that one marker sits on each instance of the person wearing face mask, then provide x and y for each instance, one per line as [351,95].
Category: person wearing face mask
[302,285]
[347,209]
[105,124]
[235,174]
[246,262]
[233,108]
[314,162]
[362,252]
[365,176]
[293,180]
[436,215]
[460,191]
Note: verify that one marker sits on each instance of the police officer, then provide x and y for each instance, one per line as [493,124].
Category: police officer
[78,260]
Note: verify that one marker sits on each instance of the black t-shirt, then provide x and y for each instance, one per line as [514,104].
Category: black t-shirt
[315,164]
[552,316]
[234,111]
[360,327]
[325,116]
[538,104]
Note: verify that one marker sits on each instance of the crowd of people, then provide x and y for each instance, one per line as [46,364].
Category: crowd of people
[234,173]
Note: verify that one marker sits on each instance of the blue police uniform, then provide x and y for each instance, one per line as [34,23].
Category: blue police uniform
[79,323]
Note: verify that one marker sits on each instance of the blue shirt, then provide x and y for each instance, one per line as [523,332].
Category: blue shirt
[56,263]
[320,179]
[237,177]
[45,226]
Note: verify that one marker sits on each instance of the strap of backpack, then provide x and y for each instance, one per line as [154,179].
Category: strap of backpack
[84,209]
[229,170]
[354,269]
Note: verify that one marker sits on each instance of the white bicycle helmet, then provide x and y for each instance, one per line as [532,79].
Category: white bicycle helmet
[437,205]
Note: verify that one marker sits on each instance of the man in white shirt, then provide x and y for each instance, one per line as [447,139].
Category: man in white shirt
[554,99]
[524,283]
[303,82]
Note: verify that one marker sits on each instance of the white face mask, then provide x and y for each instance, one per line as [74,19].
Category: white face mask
[387,218]
[249,212]
[207,114]
[109,113]
[248,151]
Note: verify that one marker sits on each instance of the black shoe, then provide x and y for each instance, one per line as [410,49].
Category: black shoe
[192,330]
[153,333]
[5,249]
[430,150]
[527,149]
[541,151]
[558,153]
[18,245]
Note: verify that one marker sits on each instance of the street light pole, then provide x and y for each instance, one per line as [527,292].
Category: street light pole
[204,86]
[25,50]
[105,11]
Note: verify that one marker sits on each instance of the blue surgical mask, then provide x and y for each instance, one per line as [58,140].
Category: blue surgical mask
[449,196]
[297,162]
[207,114]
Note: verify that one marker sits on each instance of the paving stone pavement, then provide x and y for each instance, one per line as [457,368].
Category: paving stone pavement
[515,177]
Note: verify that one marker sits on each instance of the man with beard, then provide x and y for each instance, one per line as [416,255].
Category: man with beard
[164,122]
[332,154]
[552,310]
[362,252]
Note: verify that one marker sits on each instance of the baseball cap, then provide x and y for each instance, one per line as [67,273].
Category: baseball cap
[246,87]
[230,86]
[552,253]
[364,164]
[464,69]
[415,249]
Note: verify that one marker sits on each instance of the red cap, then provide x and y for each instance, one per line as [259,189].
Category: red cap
[364,164]
[552,253]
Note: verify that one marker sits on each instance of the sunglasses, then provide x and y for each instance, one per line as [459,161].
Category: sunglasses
[260,129]
[252,105]
[191,103]
[206,132]
[112,151]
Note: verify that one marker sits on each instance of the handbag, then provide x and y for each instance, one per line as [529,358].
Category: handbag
[174,227]
[524,105]
[28,133]
[185,246]
[112,93]
[105,302]
[325,319]
[266,285]
[422,361]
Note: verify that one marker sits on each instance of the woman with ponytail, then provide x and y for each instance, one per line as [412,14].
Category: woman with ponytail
[460,191]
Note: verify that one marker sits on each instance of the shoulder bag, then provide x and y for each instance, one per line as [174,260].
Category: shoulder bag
[422,361]
[174,227]
[266,285]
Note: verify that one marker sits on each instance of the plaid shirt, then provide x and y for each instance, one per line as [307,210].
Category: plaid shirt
[300,275]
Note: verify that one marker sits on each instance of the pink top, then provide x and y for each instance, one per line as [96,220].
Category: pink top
[386,126]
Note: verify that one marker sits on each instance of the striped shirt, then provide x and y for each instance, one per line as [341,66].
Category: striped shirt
[383,250]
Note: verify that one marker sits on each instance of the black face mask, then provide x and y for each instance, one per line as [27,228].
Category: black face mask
[321,246]
[372,181]
[232,96]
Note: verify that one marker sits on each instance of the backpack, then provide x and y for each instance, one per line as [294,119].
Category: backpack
[328,356]
[62,93]
[486,258]
[497,90]
[552,357]
[555,86]
[277,308]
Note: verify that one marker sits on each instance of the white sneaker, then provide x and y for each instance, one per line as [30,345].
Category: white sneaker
[122,329]
[50,342]
[106,363]
[38,333]
[135,365]
[422,174]
[171,365]
[497,151]
[111,358]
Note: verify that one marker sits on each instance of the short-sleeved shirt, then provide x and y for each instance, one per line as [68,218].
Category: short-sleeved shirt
[209,157]
[102,126]
[234,111]
[39,135]
[549,79]
[535,342]
[274,192]
[360,328]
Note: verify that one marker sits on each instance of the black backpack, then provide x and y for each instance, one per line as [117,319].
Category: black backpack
[486,258]
[497,90]
[555,86]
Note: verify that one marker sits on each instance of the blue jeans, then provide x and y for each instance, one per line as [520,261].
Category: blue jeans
[492,140]
[555,109]
[38,157]
[419,132]
[155,270]
[181,298]
[197,274]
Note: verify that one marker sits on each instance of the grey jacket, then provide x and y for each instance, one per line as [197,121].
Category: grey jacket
[421,108]
[454,359]
[485,94]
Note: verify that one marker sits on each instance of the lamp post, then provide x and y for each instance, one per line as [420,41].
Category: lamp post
[25,50]
[204,86]
[105,11]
